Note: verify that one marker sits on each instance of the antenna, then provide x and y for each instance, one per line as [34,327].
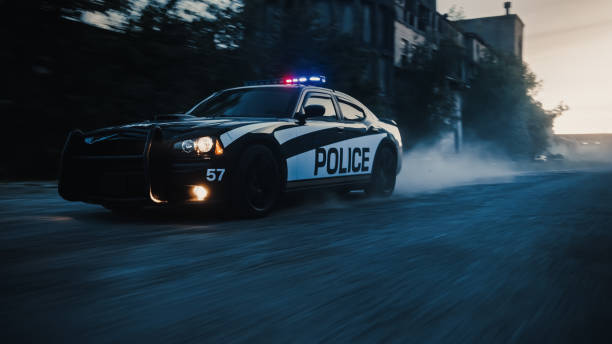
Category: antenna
[507,6]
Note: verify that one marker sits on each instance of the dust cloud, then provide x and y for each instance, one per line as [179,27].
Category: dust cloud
[434,167]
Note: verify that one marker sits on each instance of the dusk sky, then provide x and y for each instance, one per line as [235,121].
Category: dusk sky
[568,44]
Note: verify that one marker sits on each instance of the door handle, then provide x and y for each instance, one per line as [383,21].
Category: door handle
[340,129]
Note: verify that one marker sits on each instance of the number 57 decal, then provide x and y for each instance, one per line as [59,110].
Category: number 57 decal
[214,174]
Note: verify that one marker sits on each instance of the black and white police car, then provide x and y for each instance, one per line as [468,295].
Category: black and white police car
[242,146]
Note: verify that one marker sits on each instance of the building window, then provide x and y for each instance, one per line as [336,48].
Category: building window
[347,18]
[423,20]
[387,29]
[367,24]
[405,52]
[382,75]
[323,12]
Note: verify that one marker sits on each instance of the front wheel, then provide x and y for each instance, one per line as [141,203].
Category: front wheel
[382,182]
[257,183]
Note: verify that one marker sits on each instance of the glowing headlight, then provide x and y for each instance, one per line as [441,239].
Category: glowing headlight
[200,145]
[204,144]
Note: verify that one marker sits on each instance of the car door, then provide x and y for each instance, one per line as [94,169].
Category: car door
[309,150]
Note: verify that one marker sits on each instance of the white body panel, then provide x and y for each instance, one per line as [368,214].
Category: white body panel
[304,166]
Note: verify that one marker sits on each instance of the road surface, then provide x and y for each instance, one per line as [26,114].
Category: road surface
[520,260]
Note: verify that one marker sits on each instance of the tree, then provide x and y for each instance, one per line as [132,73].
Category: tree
[455,13]
[500,108]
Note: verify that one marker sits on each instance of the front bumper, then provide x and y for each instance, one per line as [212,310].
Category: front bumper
[154,177]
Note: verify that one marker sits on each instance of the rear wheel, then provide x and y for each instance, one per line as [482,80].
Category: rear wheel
[257,183]
[383,178]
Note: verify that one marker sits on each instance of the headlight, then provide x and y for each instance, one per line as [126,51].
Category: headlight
[204,144]
[199,145]
[187,146]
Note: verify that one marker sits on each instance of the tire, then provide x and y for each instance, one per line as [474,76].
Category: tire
[382,182]
[257,184]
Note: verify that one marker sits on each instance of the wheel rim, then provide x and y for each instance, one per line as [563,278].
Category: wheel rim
[260,183]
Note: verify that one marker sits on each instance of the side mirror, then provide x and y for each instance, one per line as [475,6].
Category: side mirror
[314,110]
[310,111]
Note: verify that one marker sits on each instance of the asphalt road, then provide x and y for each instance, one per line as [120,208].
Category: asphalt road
[520,260]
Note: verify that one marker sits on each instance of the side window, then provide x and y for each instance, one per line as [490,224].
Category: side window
[325,101]
[351,112]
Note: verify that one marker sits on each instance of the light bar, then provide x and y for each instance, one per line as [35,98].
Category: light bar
[290,80]
[304,80]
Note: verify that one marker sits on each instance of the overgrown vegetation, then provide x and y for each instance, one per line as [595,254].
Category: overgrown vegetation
[500,108]
[142,58]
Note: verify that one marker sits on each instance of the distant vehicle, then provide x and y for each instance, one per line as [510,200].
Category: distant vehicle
[556,157]
[540,158]
[242,147]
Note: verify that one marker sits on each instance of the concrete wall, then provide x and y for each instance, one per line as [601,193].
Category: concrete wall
[503,33]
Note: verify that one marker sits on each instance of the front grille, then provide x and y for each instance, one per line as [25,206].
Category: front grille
[122,142]
[110,177]
[108,166]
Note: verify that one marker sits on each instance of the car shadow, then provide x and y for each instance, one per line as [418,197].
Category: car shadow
[289,205]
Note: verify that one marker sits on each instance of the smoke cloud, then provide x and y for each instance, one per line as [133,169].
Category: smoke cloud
[434,167]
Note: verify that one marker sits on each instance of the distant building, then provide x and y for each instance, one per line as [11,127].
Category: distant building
[503,33]
[417,23]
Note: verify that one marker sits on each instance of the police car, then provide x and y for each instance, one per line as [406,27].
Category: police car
[242,147]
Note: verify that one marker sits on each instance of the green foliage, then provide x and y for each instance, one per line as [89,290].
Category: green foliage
[500,108]
[456,13]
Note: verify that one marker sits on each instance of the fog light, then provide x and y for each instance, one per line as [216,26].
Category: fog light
[199,192]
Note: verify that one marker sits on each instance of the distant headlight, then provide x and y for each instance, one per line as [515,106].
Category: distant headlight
[200,145]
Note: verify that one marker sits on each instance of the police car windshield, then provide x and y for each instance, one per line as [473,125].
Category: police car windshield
[249,102]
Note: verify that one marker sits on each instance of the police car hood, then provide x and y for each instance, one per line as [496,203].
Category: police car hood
[185,128]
